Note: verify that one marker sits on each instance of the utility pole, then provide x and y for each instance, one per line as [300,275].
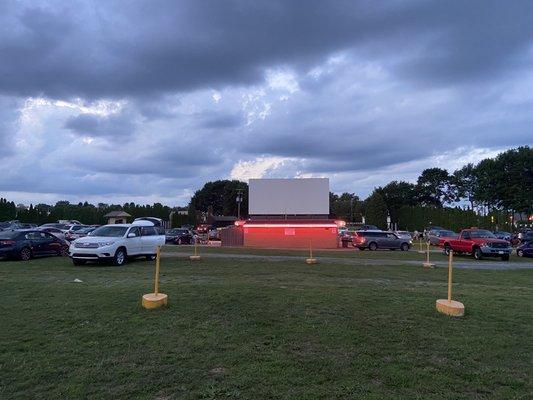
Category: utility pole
[239,201]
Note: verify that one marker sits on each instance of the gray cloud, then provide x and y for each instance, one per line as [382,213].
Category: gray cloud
[362,87]
[164,46]
[113,126]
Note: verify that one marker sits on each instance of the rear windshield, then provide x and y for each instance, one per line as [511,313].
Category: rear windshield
[447,233]
[9,235]
[481,234]
[110,231]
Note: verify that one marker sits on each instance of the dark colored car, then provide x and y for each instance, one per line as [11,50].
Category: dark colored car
[374,240]
[525,250]
[503,235]
[179,236]
[26,244]
[54,225]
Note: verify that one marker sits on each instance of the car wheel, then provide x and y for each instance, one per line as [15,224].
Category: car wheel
[25,254]
[478,255]
[151,257]
[520,253]
[505,257]
[373,246]
[120,257]
[447,249]
[404,247]
[77,261]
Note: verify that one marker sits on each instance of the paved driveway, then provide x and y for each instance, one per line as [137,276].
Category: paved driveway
[458,263]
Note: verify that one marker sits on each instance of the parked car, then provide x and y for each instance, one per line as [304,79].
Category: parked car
[503,235]
[10,225]
[374,240]
[179,236]
[479,243]
[54,231]
[403,235]
[525,249]
[213,234]
[158,223]
[76,231]
[26,244]
[435,237]
[55,225]
[117,243]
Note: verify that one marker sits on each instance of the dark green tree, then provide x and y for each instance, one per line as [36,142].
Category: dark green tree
[221,196]
[433,187]
[396,195]
[376,210]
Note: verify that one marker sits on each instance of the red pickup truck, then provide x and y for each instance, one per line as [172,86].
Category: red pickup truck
[478,242]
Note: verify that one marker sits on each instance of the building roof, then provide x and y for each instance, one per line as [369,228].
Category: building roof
[117,214]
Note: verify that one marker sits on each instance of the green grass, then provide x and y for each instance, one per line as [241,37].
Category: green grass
[250,329]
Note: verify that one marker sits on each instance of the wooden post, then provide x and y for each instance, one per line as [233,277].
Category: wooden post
[450,273]
[195,257]
[428,264]
[157,261]
[310,260]
[155,299]
[448,306]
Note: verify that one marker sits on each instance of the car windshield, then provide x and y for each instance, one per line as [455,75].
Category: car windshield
[4,224]
[447,233]
[110,231]
[9,235]
[481,234]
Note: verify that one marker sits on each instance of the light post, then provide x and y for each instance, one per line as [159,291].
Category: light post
[238,199]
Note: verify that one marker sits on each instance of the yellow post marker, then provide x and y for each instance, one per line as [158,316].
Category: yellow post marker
[311,259]
[155,299]
[427,264]
[196,256]
[420,246]
[448,306]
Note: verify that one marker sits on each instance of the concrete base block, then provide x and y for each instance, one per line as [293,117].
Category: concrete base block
[452,308]
[152,300]
[195,258]
[311,261]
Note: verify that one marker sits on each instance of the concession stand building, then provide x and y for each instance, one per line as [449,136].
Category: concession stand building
[289,213]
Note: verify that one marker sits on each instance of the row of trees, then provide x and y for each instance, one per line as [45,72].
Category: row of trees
[84,212]
[500,187]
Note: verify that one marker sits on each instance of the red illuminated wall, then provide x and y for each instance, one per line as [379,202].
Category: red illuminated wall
[291,237]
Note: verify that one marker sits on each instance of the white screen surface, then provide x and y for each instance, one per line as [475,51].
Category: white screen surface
[307,196]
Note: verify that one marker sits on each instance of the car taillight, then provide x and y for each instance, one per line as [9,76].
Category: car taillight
[7,242]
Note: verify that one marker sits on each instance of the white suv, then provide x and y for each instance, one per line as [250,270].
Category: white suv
[117,242]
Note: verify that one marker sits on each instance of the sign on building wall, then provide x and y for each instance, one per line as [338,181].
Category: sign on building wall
[307,196]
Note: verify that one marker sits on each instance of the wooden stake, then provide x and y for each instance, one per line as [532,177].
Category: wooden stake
[157,264]
[155,299]
[310,260]
[448,306]
[195,257]
[450,273]
[427,264]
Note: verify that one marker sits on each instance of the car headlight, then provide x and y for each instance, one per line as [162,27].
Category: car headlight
[102,244]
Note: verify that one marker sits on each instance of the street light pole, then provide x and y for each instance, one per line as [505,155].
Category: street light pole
[239,201]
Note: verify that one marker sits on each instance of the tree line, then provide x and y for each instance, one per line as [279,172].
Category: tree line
[84,212]
[499,187]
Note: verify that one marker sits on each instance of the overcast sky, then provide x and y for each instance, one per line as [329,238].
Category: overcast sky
[147,100]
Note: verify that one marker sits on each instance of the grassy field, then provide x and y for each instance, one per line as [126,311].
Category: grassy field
[251,329]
